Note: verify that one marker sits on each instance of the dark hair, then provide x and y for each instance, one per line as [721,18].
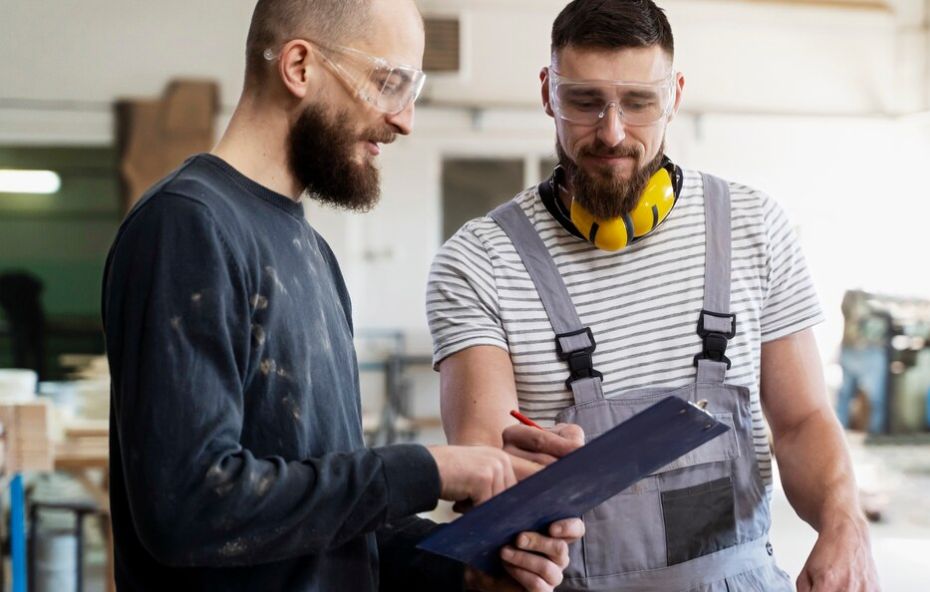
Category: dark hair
[612,24]
[275,22]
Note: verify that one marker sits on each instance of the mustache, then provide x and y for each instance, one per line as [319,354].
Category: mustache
[620,151]
[382,137]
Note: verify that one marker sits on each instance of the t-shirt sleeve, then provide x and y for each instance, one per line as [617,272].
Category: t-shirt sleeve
[462,302]
[790,301]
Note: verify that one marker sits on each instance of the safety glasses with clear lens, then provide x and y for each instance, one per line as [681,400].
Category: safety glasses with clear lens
[587,102]
[389,88]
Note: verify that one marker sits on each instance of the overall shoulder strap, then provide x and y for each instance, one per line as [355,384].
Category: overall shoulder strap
[574,342]
[716,325]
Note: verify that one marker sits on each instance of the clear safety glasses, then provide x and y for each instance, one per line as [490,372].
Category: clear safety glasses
[389,88]
[587,102]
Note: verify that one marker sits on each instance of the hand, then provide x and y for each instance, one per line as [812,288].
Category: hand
[472,473]
[539,448]
[841,561]
[535,564]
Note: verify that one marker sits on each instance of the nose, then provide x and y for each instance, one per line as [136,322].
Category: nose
[403,120]
[610,129]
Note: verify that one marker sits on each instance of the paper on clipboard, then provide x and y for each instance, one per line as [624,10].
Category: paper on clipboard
[577,482]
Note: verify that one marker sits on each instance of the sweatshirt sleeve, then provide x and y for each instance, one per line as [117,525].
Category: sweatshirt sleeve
[176,317]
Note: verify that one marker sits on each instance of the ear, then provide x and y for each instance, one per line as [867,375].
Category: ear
[295,65]
[544,80]
[679,91]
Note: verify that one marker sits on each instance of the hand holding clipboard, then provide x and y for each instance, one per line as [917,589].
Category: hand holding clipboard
[577,482]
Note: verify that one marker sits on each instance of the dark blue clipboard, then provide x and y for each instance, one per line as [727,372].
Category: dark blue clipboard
[577,482]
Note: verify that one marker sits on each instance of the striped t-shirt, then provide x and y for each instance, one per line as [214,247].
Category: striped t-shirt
[642,303]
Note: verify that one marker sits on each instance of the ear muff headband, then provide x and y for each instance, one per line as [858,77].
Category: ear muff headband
[654,206]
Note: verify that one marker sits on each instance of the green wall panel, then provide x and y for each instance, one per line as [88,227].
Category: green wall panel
[72,288]
[62,238]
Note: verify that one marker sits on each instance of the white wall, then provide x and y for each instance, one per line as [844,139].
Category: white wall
[97,50]
[739,55]
[802,102]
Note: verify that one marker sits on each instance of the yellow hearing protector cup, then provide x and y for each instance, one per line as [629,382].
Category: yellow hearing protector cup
[657,200]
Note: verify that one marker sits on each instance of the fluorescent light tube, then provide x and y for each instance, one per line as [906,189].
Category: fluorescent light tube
[37,182]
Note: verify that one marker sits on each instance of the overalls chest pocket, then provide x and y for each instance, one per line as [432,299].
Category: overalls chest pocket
[697,498]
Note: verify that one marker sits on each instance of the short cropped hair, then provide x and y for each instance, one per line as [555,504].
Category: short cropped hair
[275,22]
[612,24]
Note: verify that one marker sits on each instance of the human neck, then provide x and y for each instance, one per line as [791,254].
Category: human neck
[255,144]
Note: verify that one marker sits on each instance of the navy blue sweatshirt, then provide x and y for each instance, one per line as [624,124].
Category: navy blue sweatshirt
[236,451]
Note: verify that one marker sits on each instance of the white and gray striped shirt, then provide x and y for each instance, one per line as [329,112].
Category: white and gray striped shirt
[642,303]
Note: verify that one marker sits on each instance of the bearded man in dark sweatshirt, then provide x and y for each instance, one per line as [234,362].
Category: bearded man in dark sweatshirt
[237,458]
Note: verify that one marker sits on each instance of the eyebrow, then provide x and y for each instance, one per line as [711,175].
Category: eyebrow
[641,94]
[585,92]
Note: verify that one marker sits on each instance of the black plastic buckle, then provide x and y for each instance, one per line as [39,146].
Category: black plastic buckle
[581,366]
[715,342]
[715,346]
[704,332]
[580,362]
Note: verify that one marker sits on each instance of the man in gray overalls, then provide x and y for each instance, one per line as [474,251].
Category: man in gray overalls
[622,279]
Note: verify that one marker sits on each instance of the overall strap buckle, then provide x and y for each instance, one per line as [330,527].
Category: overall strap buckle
[716,330]
[577,348]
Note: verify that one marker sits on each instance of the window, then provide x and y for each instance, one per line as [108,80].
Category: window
[473,187]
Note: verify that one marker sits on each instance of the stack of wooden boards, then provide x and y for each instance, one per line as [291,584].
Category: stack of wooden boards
[26,441]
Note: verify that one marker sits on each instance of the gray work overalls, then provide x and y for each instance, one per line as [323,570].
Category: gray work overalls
[700,523]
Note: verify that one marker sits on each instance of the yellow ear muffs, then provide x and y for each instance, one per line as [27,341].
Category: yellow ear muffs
[654,205]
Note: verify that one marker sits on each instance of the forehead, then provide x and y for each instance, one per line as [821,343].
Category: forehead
[637,64]
[395,32]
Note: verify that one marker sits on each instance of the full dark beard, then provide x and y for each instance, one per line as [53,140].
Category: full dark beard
[606,196]
[320,152]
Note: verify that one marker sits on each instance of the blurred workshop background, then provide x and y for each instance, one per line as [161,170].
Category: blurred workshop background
[823,104]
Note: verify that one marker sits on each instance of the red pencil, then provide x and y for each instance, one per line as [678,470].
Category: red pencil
[525,420]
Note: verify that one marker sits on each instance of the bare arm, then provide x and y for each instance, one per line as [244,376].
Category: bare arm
[477,393]
[815,467]
[810,448]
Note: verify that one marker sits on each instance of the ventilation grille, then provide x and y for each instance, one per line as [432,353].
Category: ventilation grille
[442,45]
